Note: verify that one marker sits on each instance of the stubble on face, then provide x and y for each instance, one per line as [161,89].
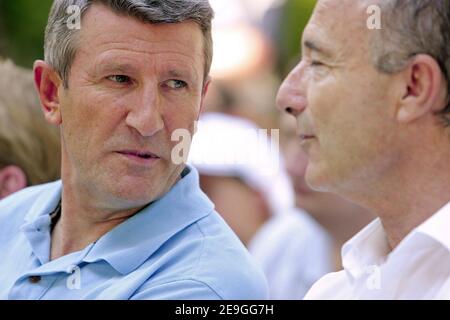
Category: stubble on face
[96,111]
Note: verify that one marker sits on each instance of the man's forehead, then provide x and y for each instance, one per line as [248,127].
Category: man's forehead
[335,4]
[342,12]
[337,21]
[105,28]
[345,5]
[100,17]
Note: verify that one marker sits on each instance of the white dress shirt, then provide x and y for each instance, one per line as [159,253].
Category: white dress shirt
[418,268]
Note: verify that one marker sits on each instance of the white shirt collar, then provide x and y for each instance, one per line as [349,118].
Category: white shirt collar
[370,246]
[438,227]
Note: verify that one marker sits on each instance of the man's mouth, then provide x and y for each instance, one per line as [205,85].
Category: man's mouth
[306,136]
[139,154]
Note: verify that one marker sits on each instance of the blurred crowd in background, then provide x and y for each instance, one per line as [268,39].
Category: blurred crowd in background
[295,233]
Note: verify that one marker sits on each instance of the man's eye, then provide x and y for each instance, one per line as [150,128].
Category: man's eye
[316,63]
[119,78]
[176,84]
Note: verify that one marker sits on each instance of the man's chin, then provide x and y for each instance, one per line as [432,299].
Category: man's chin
[132,196]
[131,190]
[316,179]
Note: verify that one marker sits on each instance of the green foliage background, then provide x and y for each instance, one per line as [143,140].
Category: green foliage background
[22,24]
[296,14]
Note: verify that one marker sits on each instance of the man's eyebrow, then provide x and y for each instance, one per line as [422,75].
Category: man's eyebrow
[188,73]
[116,67]
[313,46]
[175,73]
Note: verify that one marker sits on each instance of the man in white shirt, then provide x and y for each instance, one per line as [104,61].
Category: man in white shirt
[371,101]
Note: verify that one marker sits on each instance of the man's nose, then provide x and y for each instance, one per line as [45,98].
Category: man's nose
[145,113]
[291,96]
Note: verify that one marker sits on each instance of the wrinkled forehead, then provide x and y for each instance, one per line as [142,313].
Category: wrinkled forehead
[344,9]
[340,20]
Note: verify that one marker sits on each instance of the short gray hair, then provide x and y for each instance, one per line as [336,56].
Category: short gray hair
[412,27]
[61,42]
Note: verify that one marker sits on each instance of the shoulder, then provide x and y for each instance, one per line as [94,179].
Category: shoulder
[236,275]
[182,289]
[333,286]
[207,261]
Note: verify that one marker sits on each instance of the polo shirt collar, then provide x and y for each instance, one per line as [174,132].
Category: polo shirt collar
[132,242]
[36,227]
[46,202]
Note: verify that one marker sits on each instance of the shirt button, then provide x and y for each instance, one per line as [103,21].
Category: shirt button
[34,279]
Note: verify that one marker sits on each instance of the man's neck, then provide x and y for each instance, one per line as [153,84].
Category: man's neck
[81,223]
[410,194]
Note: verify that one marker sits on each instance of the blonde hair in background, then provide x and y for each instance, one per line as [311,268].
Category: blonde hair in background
[26,139]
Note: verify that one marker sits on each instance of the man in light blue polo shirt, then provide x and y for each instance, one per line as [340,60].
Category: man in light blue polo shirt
[128,219]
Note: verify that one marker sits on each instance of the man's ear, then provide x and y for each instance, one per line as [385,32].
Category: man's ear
[47,82]
[204,92]
[12,179]
[424,89]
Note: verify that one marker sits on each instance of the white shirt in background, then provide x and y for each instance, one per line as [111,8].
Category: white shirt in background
[294,252]
[418,268]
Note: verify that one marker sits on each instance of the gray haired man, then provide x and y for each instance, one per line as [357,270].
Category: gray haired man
[372,107]
[127,221]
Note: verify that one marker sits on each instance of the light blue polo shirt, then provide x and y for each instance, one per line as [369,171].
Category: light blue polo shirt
[176,248]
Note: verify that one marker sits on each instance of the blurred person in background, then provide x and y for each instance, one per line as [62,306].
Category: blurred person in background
[29,146]
[338,216]
[292,248]
[243,173]
[371,100]
[243,68]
